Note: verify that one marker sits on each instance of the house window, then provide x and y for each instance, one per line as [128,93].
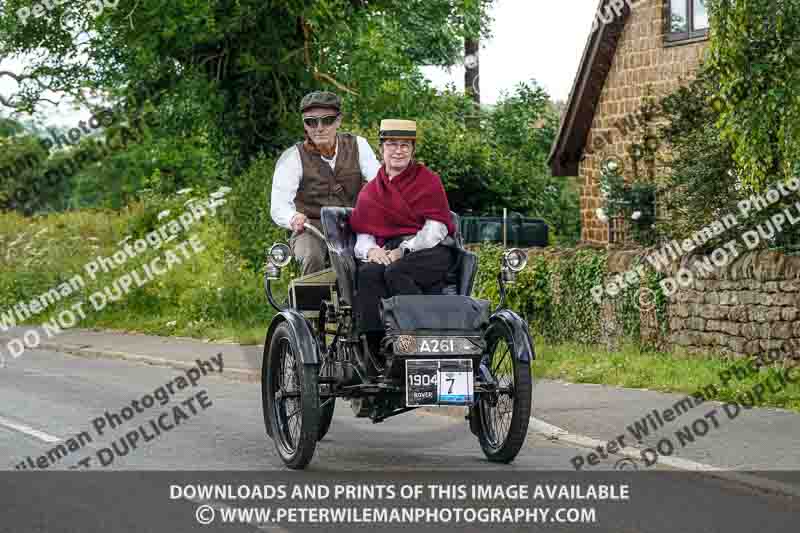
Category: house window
[688,19]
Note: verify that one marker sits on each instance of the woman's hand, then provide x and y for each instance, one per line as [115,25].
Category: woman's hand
[396,254]
[378,255]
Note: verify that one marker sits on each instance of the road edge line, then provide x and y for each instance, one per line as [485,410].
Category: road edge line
[552,432]
[88,352]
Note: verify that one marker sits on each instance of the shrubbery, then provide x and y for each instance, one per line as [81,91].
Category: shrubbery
[553,293]
[213,293]
[702,181]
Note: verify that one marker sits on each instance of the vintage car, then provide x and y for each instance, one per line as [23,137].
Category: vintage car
[445,349]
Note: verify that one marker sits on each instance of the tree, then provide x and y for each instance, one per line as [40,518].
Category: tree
[241,65]
[755,55]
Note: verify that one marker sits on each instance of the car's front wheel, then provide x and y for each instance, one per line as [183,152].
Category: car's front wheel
[502,415]
[291,390]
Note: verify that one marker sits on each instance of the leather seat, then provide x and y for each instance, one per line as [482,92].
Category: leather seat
[335,224]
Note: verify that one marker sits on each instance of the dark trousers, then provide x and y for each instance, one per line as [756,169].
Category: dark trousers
[421,272]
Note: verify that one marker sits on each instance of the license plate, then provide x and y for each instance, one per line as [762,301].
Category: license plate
[412,345]
[435,382]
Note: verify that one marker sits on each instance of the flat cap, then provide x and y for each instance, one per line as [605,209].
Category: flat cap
[320,99]
[398,129]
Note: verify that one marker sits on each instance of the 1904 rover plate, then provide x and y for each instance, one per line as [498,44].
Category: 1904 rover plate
[434,382]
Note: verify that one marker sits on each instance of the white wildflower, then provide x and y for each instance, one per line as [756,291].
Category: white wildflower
[224,190]
[601,215]
[190,201]
[171,324]
[185,191]
[94,239]
[217,195]
[163,214]
[42,231]
[636,215]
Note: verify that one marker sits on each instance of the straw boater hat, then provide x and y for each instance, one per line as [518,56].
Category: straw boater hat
[404,130]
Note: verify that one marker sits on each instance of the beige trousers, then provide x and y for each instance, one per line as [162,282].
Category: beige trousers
[309,250]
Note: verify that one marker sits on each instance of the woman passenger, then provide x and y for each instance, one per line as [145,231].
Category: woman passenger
[402,219]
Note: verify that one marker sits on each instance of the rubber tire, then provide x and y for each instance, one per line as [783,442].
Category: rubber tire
[309,401]
[523,389]
[264,388]
[325,419]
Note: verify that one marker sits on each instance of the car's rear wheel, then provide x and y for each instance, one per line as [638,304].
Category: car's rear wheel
[292,395]
[502,415]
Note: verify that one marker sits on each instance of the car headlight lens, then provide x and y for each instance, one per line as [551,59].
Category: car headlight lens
[516,259]
[279,255]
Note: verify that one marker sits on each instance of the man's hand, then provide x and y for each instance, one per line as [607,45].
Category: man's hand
[378,255]
[297,222]
[396,254]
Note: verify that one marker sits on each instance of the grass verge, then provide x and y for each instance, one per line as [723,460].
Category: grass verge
[675,372]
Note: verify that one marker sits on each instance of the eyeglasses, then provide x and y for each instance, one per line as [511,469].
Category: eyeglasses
[398,146]
[314,122]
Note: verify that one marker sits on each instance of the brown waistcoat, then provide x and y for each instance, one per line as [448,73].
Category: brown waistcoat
[320,186]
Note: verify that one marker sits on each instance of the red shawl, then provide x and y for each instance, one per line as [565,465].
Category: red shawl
[388,209]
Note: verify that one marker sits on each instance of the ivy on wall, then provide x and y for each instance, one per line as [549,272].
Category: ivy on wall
[554,295]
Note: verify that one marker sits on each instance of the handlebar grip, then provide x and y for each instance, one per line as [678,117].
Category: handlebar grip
[318,234]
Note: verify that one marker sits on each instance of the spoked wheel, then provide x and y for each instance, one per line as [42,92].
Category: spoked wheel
[503,415]
[292,399]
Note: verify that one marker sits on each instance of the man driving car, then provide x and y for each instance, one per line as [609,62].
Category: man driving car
[326,169]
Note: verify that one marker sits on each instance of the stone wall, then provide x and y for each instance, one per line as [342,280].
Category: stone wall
[641,60]
[750,307]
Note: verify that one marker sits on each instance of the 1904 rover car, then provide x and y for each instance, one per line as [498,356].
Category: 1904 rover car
[444,349]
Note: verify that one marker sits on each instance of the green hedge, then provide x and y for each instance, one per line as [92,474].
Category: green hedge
[553,293]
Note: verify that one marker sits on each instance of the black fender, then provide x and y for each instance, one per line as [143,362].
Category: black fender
[306,342]
[523,344]
[523,350]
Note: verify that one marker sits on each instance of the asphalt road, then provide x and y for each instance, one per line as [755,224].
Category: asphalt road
[47,397]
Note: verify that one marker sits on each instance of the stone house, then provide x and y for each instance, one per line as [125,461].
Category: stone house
[636,47]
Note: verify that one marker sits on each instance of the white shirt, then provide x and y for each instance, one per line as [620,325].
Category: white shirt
[431,234]
[289,172]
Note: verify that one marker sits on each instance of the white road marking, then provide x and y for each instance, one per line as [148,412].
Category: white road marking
[551,432]
[22,428]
